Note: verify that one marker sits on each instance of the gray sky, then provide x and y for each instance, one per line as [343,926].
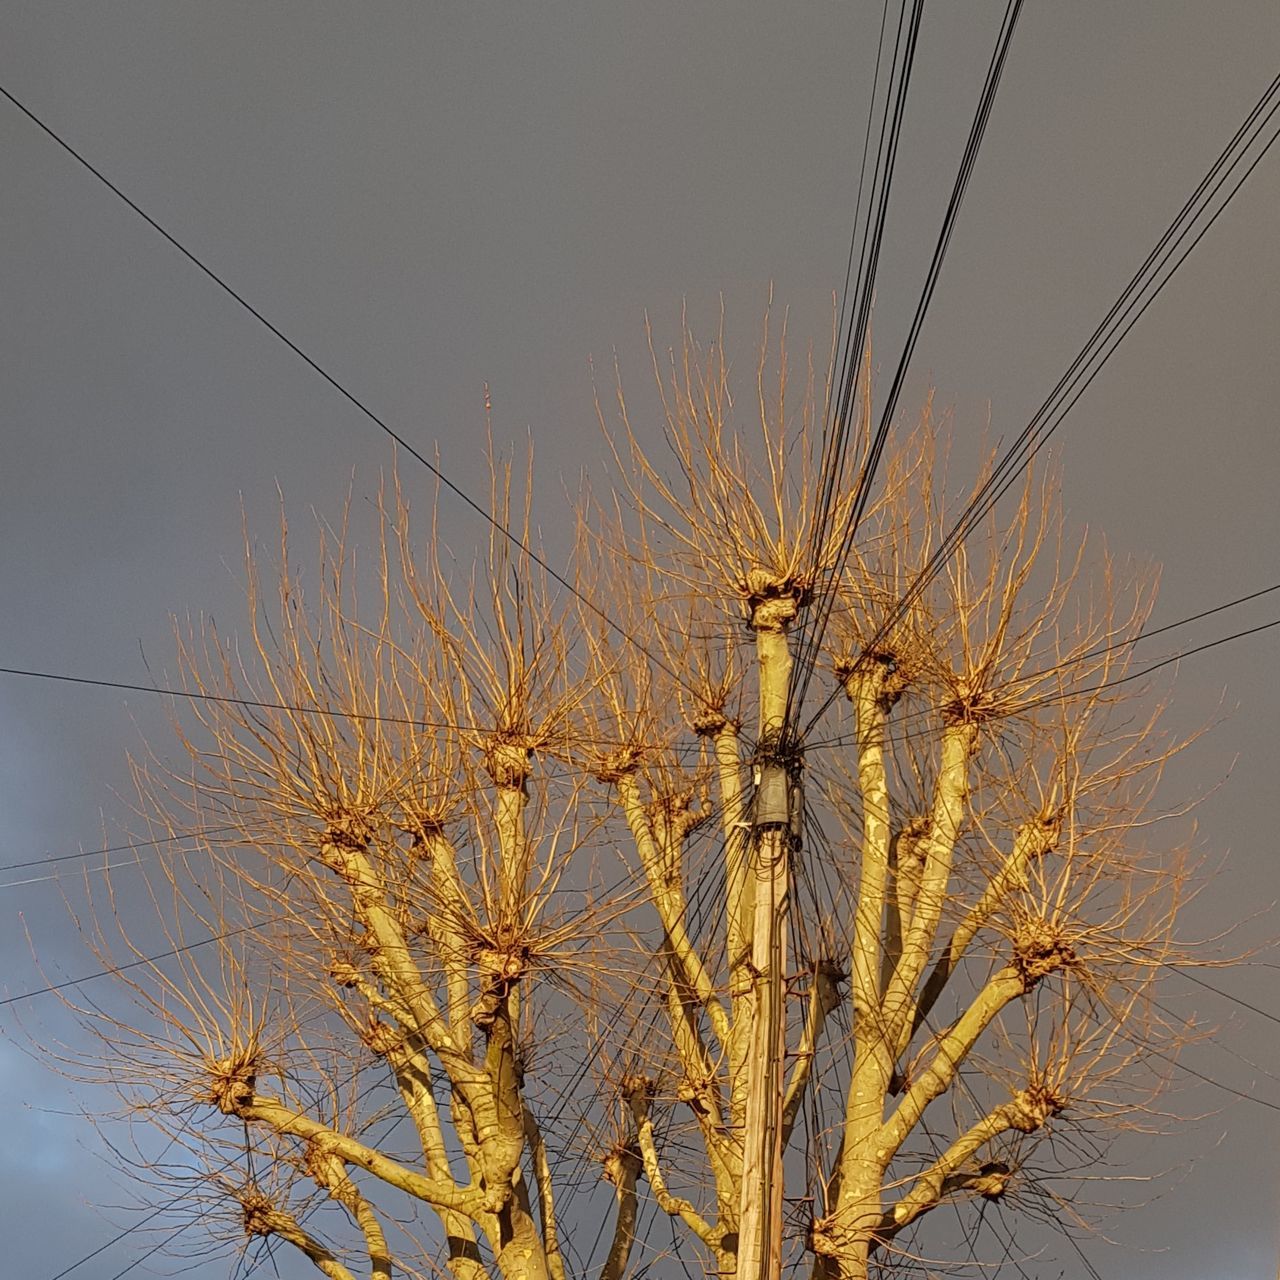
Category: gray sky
[431,197]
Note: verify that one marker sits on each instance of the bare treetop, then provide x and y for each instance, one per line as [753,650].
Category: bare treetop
[529,933]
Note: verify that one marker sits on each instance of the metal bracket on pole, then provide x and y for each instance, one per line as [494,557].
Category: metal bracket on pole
[779,799]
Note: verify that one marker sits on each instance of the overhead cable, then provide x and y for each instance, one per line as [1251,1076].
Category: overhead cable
[806,664]
[350,396]
[1186,231]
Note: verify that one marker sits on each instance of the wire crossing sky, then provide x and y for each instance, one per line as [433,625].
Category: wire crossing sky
[432,203]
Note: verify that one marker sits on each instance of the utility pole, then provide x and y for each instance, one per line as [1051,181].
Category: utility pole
[777,810]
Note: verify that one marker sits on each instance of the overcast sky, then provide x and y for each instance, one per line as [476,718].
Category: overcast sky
[432,197]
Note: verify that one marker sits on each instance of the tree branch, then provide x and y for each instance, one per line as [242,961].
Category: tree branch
[546,1196]
[413,1079]
[953,1047]
[622,1167]
[329,1172]
[931,1185]
[823,1000]
[393,962]
[262,1219]
[675,1206]
[444,925]
[275,1115]
[1034,839]
[865,687]
[668,898]
[951,795]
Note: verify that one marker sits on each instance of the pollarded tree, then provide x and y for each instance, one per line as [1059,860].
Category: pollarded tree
[487,864]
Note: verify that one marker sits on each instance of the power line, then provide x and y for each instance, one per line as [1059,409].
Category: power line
[1113,328]
[807,663]
[1097,652]
[1184,970]
[1208,1079]
[155,1248]
[252,703]
[1181,622]
[1127,643]
[122,968]
[50,879]
[1054,698]
[131,847]
[128,1231]
[1156,666]
[256,704]
[350,396]
[836,431]
[1142,290]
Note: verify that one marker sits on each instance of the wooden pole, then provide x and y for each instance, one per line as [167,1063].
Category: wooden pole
[760,1221]
[773,820]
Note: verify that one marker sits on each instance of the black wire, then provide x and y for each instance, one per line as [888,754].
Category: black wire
[1181,622]
[155,1248]
[1034,677]
[804,669]
[115,848]
[359,404]
[869,257]
[129,1230]
[1184,970]
[836,441]
[259,705]
[857,209]
[1010,464]
[1101,345]
[1155,666]
[835,419]
[1200,1075]
[132,964]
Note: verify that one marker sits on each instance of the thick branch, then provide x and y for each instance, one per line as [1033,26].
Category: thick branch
[546,1196]
[951,794]
[393,962]
[736,845]
[739,907]
[675,1206]
[953,1047]
[412,1072]
[859,1166]
[481,1090]
[865,690]
[445,927]
[508,766]
[700,1088]
[439,1192]
[823,999]
[413,1079]
[1034,839]
[261,1220]
[668,899]
[501,1133]
[930,1187]
[330,1173]
[622,1168]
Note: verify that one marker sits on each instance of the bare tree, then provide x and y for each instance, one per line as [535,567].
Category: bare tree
[485,868]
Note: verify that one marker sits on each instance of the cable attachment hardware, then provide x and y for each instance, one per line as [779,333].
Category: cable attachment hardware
[779,796]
